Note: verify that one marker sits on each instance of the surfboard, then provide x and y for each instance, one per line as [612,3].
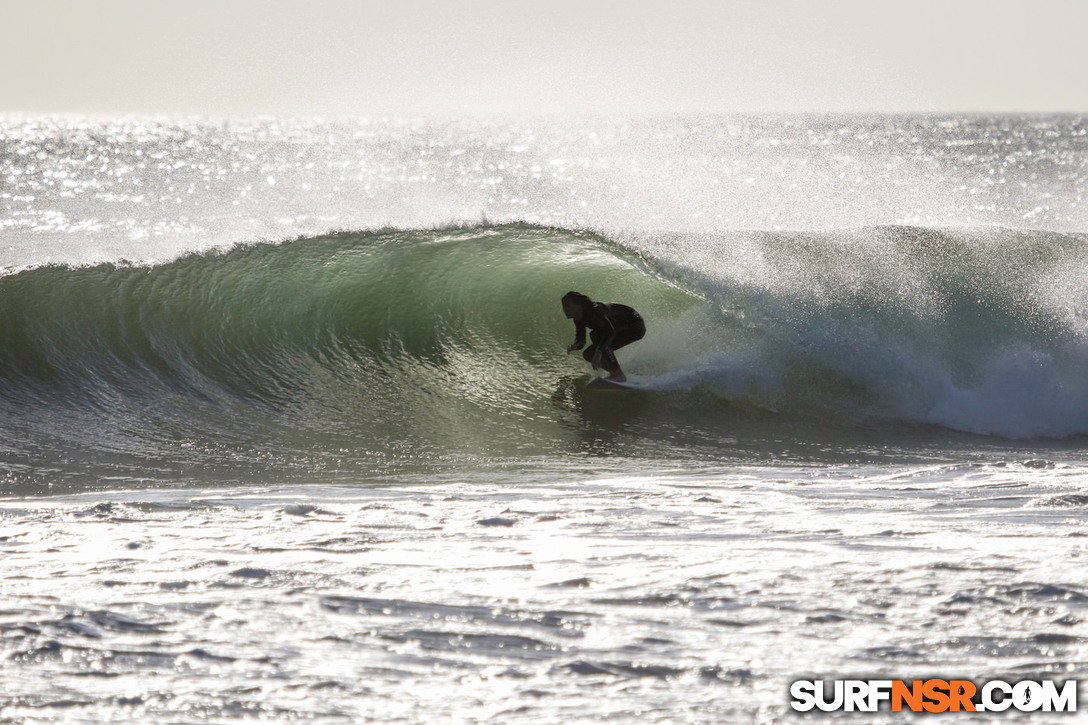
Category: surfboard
[606,384]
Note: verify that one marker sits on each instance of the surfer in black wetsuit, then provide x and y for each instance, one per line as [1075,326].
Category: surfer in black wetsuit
[611,327]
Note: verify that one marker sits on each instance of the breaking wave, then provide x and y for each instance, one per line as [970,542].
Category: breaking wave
[389,345]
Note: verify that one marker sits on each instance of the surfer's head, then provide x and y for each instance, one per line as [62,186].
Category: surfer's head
[575,304]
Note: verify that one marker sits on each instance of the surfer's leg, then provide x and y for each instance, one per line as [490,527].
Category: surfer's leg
[589,352]
[612,365]
[627,335]
[623,337]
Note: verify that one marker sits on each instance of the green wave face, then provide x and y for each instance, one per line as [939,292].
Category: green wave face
[375,347]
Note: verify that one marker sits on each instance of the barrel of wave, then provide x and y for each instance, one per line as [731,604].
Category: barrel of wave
[474,314]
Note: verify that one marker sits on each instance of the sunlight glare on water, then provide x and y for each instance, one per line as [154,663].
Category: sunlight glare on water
[540,602]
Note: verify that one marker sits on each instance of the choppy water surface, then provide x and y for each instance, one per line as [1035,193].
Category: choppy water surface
[666,597]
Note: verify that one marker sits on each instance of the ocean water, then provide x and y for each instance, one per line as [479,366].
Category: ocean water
[287,430]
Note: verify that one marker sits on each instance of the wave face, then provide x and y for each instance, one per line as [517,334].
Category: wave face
[354,351]
[362,351]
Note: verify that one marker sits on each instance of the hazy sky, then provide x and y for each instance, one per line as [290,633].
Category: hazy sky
[220,57]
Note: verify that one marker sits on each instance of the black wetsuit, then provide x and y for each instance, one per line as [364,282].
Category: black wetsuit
[611,327]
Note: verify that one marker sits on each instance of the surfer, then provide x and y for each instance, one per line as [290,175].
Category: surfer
[611,327]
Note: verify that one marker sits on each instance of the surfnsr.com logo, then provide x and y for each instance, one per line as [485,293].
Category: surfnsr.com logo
[933,695]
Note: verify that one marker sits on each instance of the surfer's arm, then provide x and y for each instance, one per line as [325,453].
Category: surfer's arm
[579,337]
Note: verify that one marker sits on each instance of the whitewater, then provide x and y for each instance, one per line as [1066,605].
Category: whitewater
[288,431]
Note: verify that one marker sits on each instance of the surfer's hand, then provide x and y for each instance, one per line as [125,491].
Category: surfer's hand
[572,347]
[597,361]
